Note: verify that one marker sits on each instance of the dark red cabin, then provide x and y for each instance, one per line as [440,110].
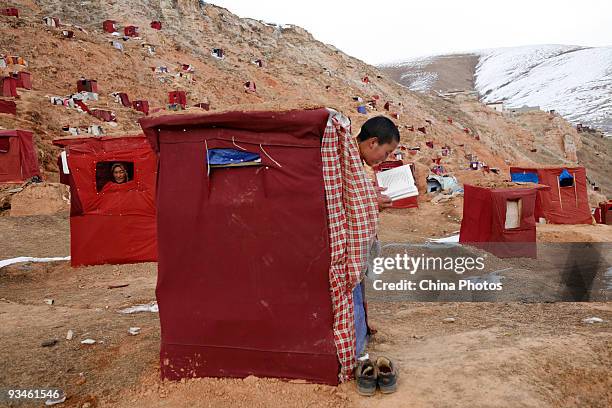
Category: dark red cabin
[156,25]
[18,158]
[177,97]
[141,106]
[566,201]
[24,79]
[10,12]
[87,85]
[130,31]
[9,87]
[259,230]
[500,220]
[110,223]
[109,26]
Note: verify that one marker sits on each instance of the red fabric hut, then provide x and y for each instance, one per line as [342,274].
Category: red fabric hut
[243,275]
[141,106]
[9,87]
[177,97]
[130,31]
[18,159]
[500,219]
[13,12]
[566,201]
[109,222]
[109,26]
[156,25]
[87,85]
[9,107]
[24,79]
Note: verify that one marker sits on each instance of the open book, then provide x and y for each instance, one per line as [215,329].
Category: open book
[398,182]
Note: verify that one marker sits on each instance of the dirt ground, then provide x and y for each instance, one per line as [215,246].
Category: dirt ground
[503,354]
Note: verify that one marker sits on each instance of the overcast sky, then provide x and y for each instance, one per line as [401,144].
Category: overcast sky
[380,31]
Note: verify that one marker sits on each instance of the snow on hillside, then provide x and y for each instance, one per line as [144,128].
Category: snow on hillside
[574,81]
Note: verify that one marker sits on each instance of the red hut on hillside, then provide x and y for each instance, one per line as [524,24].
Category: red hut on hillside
[109,26]
[18,158]
[500,219]
[9,87]
[156,25]
[141,106]
[566,201]
[130,31]
[178,98]
[11,11]
[24,79]
[110,221]
[87,85]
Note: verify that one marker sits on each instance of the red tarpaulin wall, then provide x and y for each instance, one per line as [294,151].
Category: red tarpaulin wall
[243,285]
[9,87]
[24,80]
[178,97]
[116,224]
[484,216]
[18,159]
[561,205]
[8,107]
[108,26]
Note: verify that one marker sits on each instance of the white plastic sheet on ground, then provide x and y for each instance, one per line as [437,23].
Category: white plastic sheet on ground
[452,238]
[148,307]
[20,259]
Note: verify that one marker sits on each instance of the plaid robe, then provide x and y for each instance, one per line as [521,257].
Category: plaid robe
[352,218]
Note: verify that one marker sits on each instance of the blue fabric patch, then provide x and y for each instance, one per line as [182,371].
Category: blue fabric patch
[524,177]
[565,175]
[361,330]
[230,156]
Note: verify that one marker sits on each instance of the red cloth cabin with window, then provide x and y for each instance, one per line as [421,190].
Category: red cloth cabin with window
[500,220]
[110,223]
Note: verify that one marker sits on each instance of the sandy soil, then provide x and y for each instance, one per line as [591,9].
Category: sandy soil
[494,355]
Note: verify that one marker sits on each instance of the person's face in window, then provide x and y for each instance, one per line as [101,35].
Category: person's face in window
[119,175]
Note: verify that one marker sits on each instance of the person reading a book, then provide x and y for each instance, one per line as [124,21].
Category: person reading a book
[377,139]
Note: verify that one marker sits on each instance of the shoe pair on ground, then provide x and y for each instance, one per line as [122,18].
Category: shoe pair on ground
[382,373]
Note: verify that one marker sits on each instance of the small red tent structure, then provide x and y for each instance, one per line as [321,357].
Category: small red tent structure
[10,12]
[9,107]
[9,87]
[260,229]
[18,159]
[87,85]
[156,25]
[203,105]
[141,106]
[109,26]
[24,79]
[408,202]
[177,97]
[566,201]
[103,114]
[500,219]
[130,31]
[125,99]
[109,222]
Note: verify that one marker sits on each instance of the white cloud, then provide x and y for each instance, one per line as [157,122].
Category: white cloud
[384,30]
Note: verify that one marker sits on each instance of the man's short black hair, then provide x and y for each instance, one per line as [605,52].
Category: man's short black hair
[380,127]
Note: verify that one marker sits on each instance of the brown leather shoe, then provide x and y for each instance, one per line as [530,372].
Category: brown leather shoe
[387,375]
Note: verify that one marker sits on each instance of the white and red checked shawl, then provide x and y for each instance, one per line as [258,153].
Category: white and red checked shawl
[352,212]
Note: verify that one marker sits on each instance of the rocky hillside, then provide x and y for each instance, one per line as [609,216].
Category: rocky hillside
[297,71]
[575,81]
